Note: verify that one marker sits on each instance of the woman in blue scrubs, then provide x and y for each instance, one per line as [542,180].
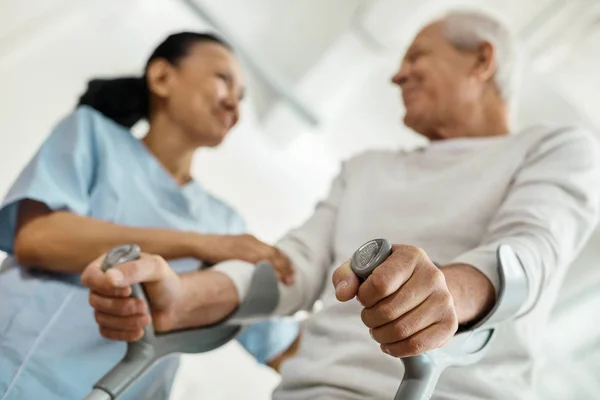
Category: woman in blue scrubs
[91,186]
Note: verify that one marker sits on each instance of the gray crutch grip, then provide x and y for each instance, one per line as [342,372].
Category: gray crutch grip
[260,301]
[369,256]
[121,255]
[421,373]
[465,348]
[140,354]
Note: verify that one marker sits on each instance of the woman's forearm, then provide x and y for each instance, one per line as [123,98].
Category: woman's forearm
[65,242]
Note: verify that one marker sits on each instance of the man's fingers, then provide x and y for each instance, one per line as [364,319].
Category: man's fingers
[117,306]
[409,324]
[345,282]
[387,278]
[393,307]
[97,280]
[109,291]
[121,336]
[113,282]
[130,323]
[149,268]
[430,338]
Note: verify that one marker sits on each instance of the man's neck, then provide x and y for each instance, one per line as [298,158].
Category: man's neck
[484,120]
[170,146]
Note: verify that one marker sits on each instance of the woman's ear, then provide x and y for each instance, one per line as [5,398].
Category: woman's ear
[159,76]
[485,61]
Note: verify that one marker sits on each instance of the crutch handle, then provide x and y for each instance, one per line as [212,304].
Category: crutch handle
[140,355]
[421,372]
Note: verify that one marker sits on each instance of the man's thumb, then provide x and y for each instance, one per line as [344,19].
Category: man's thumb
[345,282]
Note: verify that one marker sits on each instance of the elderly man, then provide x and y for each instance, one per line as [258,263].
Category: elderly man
[475,186]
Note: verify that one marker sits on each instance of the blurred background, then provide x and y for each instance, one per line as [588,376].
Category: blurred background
[318,73]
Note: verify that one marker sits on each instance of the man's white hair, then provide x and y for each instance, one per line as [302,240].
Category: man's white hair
[466,30]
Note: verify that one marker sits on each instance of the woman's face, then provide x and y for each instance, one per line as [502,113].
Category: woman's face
[201,94]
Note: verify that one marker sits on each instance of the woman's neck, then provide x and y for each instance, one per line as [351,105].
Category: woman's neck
[169,145]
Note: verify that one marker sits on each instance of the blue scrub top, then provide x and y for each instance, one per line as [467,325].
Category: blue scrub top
[49,342]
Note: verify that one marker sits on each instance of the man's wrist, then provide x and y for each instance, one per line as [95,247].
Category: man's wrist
[474,295]
[207,297]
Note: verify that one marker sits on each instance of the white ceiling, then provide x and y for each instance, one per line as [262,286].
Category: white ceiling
[560,37]
[291,37]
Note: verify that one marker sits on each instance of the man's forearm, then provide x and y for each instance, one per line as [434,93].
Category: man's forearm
[208,297]
[473,293]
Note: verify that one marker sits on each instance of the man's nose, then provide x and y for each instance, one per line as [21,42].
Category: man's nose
[401,76]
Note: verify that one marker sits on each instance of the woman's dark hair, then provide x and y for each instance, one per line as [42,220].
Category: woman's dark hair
[126,100]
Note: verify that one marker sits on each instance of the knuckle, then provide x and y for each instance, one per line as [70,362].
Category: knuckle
[413,252]
[99,318]
[108,306]
[387,311]
[366,317]
[421,253]
[452,321]
[416,346]
[138,323]
[158,265]
[445,300]
[402,331]
[395,352]
[449,301]
[129,308]
[158,262]
[135,336]
[136,267]
[436,277]
[416,251]
[380,283]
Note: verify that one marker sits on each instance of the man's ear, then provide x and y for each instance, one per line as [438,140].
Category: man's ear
[160,77]
[485,61]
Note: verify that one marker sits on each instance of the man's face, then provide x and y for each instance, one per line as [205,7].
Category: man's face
[438,82]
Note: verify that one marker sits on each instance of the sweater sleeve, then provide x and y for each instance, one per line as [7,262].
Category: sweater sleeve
[549,212]
[310,249]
